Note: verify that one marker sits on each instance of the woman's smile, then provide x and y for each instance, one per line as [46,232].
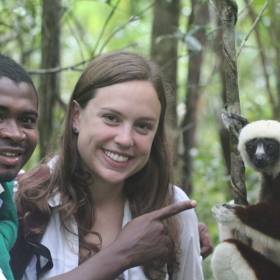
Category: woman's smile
[116,130]
[115,157]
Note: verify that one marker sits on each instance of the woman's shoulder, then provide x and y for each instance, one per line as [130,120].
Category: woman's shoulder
[179,194]
[188,216]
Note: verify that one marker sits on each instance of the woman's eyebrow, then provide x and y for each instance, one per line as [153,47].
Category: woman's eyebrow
[146,118]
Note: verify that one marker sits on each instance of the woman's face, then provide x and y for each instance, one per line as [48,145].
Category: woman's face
[116,130]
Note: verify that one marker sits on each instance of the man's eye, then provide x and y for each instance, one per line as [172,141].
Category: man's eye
[28,120]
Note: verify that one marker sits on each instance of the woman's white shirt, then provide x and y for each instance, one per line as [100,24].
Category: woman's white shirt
[64,246]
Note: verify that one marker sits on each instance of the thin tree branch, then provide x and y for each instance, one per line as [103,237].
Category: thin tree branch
[248,5]
[74,66]
[252,28]
[58,69]
[75,36]
[104,26]
[125,24]
[216,10]
[263,63]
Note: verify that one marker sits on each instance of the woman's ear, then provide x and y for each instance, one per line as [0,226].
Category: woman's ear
[76,111]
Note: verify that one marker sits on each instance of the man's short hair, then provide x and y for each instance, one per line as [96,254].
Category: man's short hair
[12,70]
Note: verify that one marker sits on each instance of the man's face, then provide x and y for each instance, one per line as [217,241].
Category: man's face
[18,126]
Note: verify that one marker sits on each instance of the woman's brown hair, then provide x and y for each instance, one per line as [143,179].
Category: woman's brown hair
[148,190]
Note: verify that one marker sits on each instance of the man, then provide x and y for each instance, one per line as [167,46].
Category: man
[18,139]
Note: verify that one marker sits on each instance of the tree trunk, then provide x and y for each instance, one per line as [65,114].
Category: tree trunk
[223,132]
[229,18]
[199,16]
[49,83]
[164,50]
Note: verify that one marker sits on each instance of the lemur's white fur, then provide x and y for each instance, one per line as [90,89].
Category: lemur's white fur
[227,261]
[229,220]
[235,269]
[225,232]
[267,128]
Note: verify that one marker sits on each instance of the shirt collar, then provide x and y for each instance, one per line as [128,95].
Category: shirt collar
[1,189]
[54,200]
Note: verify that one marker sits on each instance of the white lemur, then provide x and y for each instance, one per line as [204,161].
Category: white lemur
[259,146]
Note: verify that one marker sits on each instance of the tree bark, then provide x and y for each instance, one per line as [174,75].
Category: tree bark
[199,16]
[229,18]
[223,132]
[164,51]
[49,83]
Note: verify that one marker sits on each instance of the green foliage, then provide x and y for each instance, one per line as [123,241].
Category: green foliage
[191,42]
[91,27]
[20,28]
[206,265]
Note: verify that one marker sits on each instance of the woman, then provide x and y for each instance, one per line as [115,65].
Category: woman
[113,166]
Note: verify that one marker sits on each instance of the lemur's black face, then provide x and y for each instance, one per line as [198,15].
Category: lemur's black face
[263,152]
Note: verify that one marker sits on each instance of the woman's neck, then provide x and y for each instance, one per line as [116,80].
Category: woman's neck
[104,193]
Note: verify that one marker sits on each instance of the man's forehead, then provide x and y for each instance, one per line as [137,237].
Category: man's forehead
[22,94]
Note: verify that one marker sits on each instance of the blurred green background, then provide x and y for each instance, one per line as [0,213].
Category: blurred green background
[86,28]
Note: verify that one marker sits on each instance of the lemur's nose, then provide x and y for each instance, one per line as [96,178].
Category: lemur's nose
[259,158]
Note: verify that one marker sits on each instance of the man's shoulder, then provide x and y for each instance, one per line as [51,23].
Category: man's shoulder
[6,185]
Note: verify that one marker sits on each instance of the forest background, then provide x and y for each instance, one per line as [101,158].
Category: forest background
[54,40]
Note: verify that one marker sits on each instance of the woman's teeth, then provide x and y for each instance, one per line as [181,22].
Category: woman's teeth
[115,157]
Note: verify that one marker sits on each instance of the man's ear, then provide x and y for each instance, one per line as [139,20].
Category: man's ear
[76,111]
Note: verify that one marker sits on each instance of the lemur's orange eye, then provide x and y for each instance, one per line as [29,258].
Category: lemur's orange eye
[271,147]
[250,148]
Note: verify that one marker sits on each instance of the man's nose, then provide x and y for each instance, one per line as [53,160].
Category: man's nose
[12,130]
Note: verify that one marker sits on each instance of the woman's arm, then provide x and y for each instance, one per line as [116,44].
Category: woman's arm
[140,241]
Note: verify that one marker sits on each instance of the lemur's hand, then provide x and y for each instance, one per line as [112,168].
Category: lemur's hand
[224,213]
[233,122]
[231,205]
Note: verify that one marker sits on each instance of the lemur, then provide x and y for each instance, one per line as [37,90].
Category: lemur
[259,146]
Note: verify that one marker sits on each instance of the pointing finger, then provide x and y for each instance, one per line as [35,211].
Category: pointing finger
[173,209]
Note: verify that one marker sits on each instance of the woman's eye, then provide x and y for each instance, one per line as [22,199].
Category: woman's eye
[144,126]
[110,118]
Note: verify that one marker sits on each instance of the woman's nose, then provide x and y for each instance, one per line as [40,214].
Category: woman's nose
[124,137]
